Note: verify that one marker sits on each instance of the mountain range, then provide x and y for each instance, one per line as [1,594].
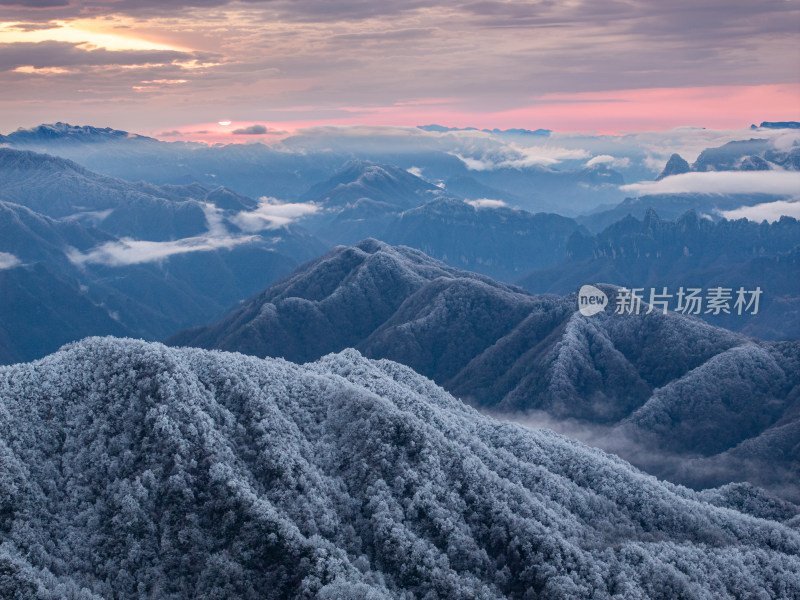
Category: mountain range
[60,189]
[691,252]
[362,198]
[159,258]
[500,348]
[380,379]
[287,170]
[131,470]
[90,254]
[381,201]
[757,154]
[498,241]
[252,170]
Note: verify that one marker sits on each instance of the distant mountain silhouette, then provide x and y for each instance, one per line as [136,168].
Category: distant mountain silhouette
[676,165]
[777,125]
[250,169]
[691,251]
[513,131]
[362,199]
[128,258]
[742,155]
[500,242]
[305,160]
[60,188]
[64,133]
[384,202]
[747,155]
[671,207]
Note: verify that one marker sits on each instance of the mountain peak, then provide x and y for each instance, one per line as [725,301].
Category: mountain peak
[651,219]
[777,125]
[335,302]
[676,165]
[360,179]
[371,245]
[73,134]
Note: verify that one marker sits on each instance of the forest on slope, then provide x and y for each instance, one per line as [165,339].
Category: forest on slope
[133,470]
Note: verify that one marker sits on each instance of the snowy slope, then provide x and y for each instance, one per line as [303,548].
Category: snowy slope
[132,470]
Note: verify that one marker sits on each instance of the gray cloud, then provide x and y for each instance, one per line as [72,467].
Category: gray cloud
[35,3]
[486,203]
[307,11]
[43,55]
[611,161]
[397,35]
[251,130]
[513,156]
[680,17]
[489,56]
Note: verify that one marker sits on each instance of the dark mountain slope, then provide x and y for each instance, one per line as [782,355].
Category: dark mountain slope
[500,242]
[31,236]
[60,188]
[40,310]
[60,299]
[137,471]
[691,252]
[155,259]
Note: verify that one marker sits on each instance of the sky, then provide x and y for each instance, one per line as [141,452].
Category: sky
[256,69]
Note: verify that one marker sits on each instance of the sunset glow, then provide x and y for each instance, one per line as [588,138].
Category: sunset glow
[569,66]
[83,32]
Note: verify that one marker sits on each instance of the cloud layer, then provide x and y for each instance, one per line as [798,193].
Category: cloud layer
[780,183]
[515,156]
[272,214]
[486,203]
[767,211]
[127,252]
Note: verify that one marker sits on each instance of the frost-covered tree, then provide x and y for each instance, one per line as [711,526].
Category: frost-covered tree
[132,470]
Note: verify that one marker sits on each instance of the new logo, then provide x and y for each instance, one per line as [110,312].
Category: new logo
[591,300]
